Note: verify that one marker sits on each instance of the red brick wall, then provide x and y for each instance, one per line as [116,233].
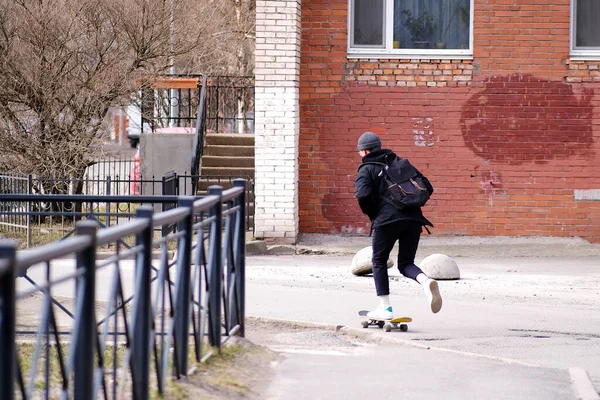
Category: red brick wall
[505,138]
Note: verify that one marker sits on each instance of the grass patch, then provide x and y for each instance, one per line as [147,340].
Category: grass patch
[219,373]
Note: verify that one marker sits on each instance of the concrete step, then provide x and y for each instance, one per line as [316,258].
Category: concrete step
[227,151]
[227,162]
[227,172]
[226,139]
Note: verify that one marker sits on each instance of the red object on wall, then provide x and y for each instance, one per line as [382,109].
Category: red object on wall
[505,138]
[135,183]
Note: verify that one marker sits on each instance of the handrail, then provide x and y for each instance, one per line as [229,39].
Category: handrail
[114,233]
[49,252]
[198,145]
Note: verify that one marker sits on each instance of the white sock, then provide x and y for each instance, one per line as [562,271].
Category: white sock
[384,301]
[422,278]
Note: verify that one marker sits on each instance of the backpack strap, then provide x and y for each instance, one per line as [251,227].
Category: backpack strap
[383,165]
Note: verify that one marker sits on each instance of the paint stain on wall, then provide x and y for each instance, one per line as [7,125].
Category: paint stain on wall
[490,181]
[423,131]
[518,119]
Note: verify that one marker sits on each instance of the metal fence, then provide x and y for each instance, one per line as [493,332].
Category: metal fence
[229,105]
[118,171]
[10,184]
[157,311]
[34,218]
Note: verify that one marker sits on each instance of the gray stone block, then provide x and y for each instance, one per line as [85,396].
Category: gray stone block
[440,266]
[362,263]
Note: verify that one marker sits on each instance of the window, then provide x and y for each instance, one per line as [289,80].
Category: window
[585,30]
[423,28]
[368,23]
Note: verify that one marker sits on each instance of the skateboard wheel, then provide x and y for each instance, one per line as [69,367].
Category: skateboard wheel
[365,324]
[403,327]
[381,324]
[387,327]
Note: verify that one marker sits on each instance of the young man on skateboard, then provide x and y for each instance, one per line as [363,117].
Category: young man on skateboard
[390,224]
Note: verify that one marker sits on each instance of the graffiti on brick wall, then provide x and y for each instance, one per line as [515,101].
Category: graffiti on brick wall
[519,119]
[423,131]
[490,183]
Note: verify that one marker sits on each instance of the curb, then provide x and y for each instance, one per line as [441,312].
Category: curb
[256,247]
[373,337]
[452,246]
[259,247]
[581,382]
[295,324]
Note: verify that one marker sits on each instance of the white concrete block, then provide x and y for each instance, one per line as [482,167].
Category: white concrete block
[362,263]
[440,266]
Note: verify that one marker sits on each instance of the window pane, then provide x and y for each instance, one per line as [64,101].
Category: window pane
[368,22]
[432,24]
[588,28]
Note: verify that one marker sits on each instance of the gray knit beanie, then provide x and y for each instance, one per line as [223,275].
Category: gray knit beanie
[369,141]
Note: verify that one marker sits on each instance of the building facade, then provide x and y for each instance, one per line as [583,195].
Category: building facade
[494,101]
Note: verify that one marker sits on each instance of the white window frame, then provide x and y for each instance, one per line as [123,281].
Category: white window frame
[388,50]
[580,53]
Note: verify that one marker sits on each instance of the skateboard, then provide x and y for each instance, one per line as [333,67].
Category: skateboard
[386,324]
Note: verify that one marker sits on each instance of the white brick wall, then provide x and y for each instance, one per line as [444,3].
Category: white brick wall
[277,124]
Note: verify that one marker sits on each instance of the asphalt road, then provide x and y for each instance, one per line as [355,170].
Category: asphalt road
[513,313]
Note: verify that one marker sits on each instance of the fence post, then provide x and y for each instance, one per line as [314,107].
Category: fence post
[85,314]
[216,269]
[29,191]
[183,291]
[240,262]
[7,322]
[142,308]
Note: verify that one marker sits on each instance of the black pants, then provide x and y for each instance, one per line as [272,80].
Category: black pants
[407,233]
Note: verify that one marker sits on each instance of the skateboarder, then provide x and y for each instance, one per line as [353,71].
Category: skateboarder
[388,225]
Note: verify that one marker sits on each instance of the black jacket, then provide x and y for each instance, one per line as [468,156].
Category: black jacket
[370,186]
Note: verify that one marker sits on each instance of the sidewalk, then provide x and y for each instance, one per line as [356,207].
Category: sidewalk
[459,246]
[356,365]
[463,352]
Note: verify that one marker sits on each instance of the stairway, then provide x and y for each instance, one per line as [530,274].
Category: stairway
[225,158]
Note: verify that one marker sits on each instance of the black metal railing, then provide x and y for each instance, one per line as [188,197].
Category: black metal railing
[199,137]
[32,218]
[159,308]
[229,104]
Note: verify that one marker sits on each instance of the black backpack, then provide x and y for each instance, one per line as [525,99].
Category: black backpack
[405,187]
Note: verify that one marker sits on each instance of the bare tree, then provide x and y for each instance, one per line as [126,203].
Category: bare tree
[232,33]
[227,51]
[245,33]
[63,63]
